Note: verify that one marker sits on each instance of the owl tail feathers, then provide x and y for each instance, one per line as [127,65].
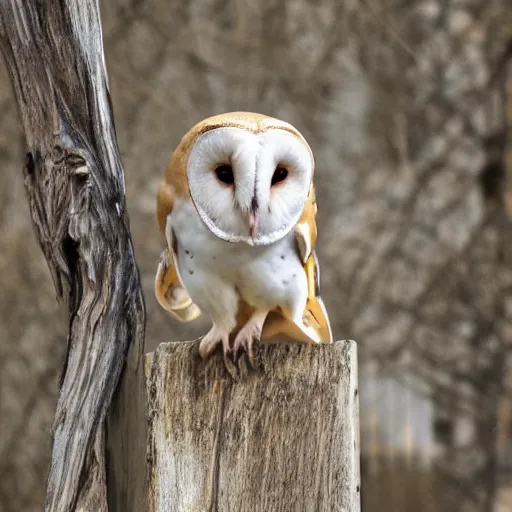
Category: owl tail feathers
[170,293]
[313,327]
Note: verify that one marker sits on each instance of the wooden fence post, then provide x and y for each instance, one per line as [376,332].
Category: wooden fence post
[282,439]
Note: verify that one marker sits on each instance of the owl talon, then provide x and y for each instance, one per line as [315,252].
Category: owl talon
[245,342]
[250,333]
[247,346]
[210,341]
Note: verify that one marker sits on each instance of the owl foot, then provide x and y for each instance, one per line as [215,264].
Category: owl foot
[211,339]
[250,333]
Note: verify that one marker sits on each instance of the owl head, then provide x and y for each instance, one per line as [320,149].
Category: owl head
[248,175]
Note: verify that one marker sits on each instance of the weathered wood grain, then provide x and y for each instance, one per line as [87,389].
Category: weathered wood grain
[126,445]
[75,184]
[284,438]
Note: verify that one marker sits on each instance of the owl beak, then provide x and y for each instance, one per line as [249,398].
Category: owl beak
[253,220]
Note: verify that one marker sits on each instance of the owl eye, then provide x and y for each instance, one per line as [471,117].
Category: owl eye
[279,175]
[225,174]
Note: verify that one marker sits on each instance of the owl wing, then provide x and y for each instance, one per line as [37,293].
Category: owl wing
[169,290]
[314,325]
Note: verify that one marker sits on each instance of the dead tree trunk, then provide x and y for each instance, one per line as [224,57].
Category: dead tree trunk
[75,184]
[285,439]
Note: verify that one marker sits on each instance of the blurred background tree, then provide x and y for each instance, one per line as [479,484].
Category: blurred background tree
[408,108]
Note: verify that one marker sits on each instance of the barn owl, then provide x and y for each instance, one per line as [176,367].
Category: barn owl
[237,210]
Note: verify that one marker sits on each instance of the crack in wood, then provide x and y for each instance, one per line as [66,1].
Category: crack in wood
[215,466]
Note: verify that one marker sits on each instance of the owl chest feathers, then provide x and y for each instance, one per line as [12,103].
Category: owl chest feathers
[264,276]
